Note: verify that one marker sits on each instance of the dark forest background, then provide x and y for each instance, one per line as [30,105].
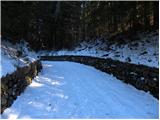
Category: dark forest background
[60,24]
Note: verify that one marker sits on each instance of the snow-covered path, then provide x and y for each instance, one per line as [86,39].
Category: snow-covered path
[73,90]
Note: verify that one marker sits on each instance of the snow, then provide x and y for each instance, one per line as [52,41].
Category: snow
[73,90]
[145,51]
[7,66]
[7,62]
[9,59]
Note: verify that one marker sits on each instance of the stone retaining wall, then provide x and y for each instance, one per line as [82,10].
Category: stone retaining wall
[140,76]
[12,85]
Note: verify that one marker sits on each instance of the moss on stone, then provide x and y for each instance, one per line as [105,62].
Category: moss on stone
[28,79]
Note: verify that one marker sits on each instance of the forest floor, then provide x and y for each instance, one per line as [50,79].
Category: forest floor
[73,90]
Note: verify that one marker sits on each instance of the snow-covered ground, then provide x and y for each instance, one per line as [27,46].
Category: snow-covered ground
[144,51]
[73,90]
[7,65]
[9,57]
[6,61]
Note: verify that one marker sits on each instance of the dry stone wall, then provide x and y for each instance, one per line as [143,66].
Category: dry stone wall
[140,76]
[12,85]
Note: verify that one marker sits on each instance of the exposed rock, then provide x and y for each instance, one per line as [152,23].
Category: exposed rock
[10,101]
[28,79]
[3,100]
[145,52]
[14,84]
[117,55]
[105,55]
[135,44]
[149,60]
[128,59]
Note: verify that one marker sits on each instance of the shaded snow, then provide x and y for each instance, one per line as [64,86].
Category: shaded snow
[6,61]
[144,51]
[9,57]
[7,65]
[73,90]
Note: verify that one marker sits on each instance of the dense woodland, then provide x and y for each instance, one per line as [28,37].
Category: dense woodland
[61,24]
